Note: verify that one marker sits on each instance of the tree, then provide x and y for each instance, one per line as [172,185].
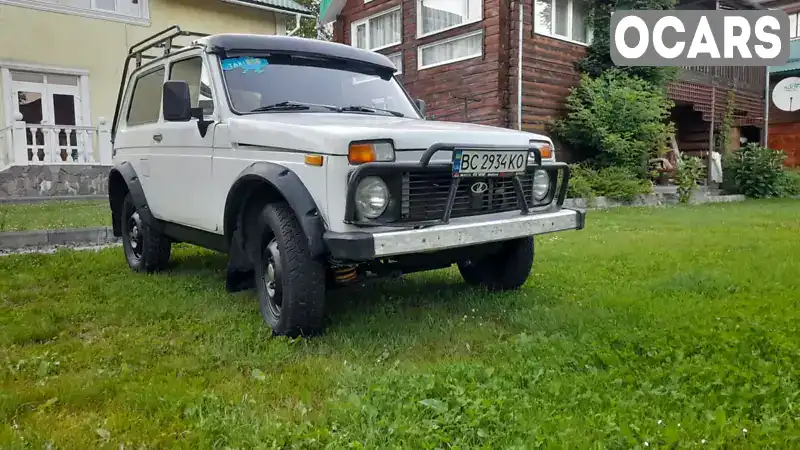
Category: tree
[310,28]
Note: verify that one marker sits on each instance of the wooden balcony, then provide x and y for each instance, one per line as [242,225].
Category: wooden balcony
[743,79]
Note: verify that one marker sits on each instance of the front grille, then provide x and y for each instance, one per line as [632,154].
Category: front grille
[425,196]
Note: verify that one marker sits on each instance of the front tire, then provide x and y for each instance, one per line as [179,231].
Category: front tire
[289,281]
[505,270]
[146,250]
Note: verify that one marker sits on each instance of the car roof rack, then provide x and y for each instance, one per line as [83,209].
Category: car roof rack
[161,40]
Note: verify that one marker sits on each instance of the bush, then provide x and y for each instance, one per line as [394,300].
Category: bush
[689,170]
[756,171]
[616,120]
[613,182]
[790,183]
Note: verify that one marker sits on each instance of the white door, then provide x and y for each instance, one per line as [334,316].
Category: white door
[53,103]
[180,149]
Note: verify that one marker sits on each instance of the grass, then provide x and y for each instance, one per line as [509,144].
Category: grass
[654,327]
[50,215]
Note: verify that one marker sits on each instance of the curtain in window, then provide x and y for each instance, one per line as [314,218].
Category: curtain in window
[446,51]
[578,21]
[361,36]
[441,14]
[385,30]
[543,16]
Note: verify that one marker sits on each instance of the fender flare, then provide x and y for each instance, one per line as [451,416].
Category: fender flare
[291,188]
[137,193]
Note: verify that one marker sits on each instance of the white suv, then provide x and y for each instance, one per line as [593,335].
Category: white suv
[309,165]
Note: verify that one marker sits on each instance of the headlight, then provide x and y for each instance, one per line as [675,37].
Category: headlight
[541,185]
[372,197]
[366,152]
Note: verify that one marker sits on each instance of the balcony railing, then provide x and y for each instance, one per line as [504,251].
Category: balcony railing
[737,77]
[24,144]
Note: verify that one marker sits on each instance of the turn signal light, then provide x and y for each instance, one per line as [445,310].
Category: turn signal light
[367,152]
[313,160]
[546,151]
[361,153]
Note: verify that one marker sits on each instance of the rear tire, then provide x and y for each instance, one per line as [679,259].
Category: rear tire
[289,281]
[507,269]
[146,250]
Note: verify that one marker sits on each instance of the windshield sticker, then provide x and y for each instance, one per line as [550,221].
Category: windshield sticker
[246,63]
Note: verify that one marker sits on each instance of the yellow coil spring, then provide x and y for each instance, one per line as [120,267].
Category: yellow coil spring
[344,274]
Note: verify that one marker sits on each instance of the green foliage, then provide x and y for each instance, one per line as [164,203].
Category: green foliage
[689,170]
[723,135]
[756,171]
[616,120]
[598,55]
[790,183]
[309,28]
[616,183]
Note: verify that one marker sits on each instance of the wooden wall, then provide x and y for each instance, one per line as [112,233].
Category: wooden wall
[483,78]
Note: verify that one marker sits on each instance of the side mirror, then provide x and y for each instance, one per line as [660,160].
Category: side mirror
[176,101]
[422,107]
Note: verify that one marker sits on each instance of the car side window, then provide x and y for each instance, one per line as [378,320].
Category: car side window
[194,72]
[145,106]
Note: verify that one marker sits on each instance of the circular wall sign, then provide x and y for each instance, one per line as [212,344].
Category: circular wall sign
[786,94]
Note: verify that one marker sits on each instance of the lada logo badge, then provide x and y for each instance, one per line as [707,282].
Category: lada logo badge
[479,188]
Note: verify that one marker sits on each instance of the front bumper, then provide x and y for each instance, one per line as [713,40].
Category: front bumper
[363,246]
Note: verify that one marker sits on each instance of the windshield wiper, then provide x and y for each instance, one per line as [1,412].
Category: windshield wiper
[372,109]
[289,106]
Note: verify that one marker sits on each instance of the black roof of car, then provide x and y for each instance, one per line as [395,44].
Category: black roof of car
[231,43]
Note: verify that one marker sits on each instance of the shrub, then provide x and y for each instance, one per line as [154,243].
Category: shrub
[689,170]
[756,171]
[613,182]
[616,120]
[790,183]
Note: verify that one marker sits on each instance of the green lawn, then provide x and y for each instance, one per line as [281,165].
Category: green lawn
[658,327]
[52,215]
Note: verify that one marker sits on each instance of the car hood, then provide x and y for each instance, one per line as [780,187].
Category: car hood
[332,133]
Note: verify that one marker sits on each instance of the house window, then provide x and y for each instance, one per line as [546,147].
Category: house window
[562,18]
[379,31]
[397,60]
[450,50]
[793,34]
[145,104]
[434,16]
[130,11]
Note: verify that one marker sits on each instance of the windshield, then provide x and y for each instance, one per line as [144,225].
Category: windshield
[282,83]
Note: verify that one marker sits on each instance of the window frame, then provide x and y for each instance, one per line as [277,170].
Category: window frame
[133,86]
[420,34]
[796,15]
[552,34]
[206,68]
[365,21]
[91,12]
[444,41]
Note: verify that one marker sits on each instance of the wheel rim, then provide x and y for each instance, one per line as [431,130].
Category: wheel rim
[134,230]
[271,279]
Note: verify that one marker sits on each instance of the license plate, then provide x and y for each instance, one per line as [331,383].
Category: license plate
[489,163]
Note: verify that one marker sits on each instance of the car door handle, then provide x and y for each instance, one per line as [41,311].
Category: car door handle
[158,137]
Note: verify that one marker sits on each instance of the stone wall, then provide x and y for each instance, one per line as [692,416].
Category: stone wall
[50,181]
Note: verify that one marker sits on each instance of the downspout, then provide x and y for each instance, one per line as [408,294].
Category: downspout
[765,134]
[519,69]
[296,25]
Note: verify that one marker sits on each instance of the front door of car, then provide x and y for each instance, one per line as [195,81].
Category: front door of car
[181,154]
